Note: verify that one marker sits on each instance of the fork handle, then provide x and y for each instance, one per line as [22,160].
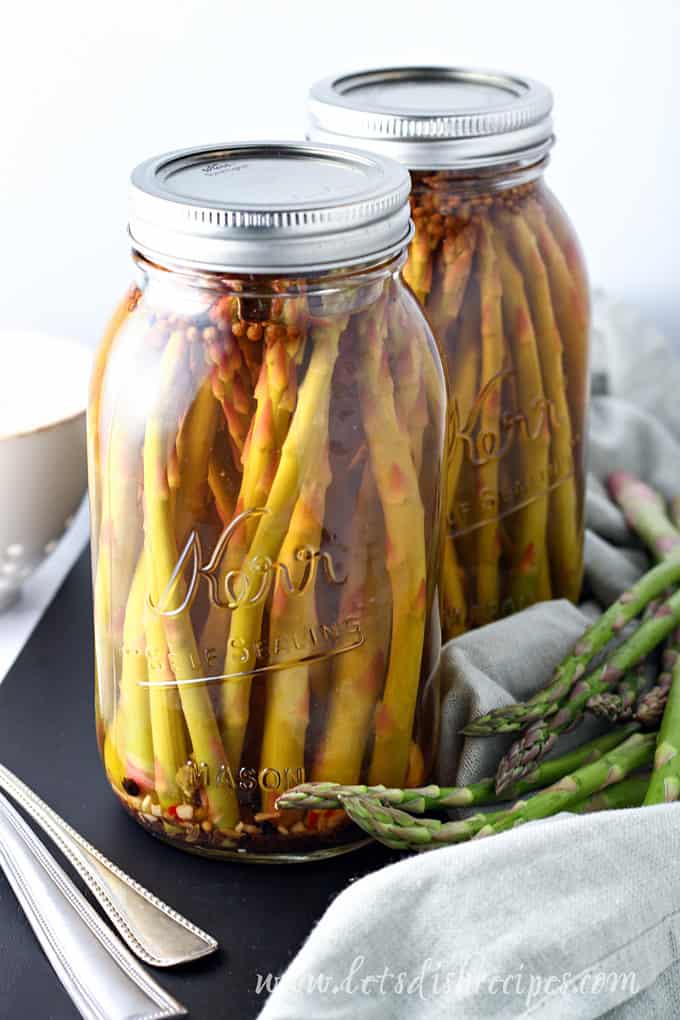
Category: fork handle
[103,979]
[155,932]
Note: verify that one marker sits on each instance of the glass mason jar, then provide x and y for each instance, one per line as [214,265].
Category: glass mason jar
[498,270]
[266,439]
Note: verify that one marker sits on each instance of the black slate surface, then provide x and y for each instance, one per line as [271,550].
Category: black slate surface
[260,914]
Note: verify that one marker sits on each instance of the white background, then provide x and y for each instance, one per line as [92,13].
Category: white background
[89,89]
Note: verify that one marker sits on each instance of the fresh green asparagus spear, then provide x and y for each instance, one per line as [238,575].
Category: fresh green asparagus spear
[665,782]
[645,512]
[629,792]
[541,735]
[620,704]
[402,831]
[675,511]
[511,718]
[321,796]
[650,707]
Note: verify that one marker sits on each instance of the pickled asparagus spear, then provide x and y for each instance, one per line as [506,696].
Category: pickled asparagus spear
[307,435]
[397,485]
[358,674]
[228,385]
[418,269]
[456,257]
[260,456]
[94,436]
[294,612]
[531,520]
[165,709]
[411,397]
[165,592]
[564,522]
[465,369]
[488,452]
[568,244]
[133,721]
[571,309]
[195,443]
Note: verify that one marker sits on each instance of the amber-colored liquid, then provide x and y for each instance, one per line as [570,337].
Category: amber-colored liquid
[266,495]
[499,273]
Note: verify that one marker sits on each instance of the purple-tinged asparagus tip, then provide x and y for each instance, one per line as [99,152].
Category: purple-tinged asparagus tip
[611,675]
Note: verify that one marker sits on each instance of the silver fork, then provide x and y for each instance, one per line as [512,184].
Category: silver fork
[102,977]
[154,931]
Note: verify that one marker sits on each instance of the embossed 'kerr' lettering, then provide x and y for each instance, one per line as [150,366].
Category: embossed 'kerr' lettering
[250,583]
[480,446]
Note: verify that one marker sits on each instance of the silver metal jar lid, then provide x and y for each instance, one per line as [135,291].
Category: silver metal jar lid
[434,117]
[274,207]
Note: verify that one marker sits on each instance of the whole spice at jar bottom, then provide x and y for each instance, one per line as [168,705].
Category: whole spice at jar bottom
[244,617]
[497,271]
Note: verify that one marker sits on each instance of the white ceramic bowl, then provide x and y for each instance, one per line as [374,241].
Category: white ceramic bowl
[43,461]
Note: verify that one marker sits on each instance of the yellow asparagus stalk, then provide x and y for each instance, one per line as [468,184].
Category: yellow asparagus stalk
[531,520]
[228,385]
[248,337]
[165,709]
[222,482]
[544,590]
[571,311]
[411,396]
[94,444]
[307,435]
[133,724]
[429,364]
[397,485]
[488,450]
[117,547]
[564,516]
[456,258]
[282,346]
[275,395]
[418,269]
[452,596]
[194,446]
[358,674]
[166,596]
[568,243]
[261,452]
[287,698]
[465,370]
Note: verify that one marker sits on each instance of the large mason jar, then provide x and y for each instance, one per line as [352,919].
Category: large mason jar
[266,440]
[497,268]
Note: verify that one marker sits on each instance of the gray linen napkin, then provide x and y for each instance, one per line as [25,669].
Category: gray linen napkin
[571,916]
